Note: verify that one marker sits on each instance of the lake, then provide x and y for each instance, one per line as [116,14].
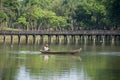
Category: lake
[98,61]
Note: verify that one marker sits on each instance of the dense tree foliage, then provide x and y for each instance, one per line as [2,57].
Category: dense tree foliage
[60,14]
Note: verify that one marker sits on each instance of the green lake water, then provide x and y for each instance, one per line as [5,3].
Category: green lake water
[99,61]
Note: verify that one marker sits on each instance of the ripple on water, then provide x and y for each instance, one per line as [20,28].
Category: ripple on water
[110,53]
[26,52]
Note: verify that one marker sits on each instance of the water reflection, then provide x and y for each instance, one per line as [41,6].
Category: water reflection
[57,68]
[22,74]
[61,75]
[46,57]
[76,57]
[25,62]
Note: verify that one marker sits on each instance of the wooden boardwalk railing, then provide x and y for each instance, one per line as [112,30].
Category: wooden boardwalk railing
[80,32]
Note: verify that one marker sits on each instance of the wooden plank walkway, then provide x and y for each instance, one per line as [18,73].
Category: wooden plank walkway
[80,32]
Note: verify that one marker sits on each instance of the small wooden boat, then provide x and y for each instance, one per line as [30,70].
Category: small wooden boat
[61,52]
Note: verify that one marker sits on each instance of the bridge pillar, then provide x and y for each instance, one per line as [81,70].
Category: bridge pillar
[60,39]
[118,37]
[26,39]
[76,39]
[94,39]
[89,37]
[73,38]
[4,39]
[49,38]
[97,37]
[11,39]
[68,39]
[34,39]
[108,37]
[57,38]
[113,39]
[41,38]
[85,39]
[19,36]
[65,38]
[103,39]
[81,38]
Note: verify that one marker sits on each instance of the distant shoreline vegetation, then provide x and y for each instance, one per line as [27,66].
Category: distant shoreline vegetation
[59,14]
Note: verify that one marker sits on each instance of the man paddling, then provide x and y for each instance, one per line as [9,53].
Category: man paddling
[46,48]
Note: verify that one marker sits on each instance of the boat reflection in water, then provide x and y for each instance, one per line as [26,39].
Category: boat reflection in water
[74,57]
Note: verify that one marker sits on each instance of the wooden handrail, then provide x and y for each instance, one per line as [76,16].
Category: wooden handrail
[80,32]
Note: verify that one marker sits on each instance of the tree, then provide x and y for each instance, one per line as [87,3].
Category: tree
[58,22]
[90,14]
[42,14]
[3,19]
[67,8]
[11,8]
[112,12]
[22,21]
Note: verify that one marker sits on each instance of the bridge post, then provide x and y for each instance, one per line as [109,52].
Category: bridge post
[85,39]
[73,38]
[34,39]
[4,39]
[68,38]
[11,39]
[89,37]
[41,38]
[65,38]
[97,37]
[117,38]
[19,36]
[26,39]
[113,39]
[77,39]
[94,39]
[81,38]
[49,38]
[57,38]
[103,38]
[60,39]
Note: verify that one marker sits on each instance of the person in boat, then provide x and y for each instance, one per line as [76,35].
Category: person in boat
[46,48]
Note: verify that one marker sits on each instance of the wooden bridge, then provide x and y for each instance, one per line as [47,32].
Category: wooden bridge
[80,32]
[75,36]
